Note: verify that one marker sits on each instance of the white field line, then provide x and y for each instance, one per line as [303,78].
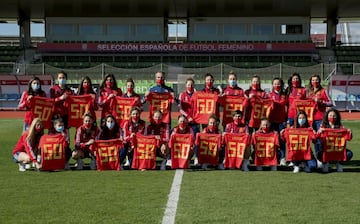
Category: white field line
[171,206]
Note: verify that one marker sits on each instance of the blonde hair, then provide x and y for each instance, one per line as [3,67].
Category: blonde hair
[31,137]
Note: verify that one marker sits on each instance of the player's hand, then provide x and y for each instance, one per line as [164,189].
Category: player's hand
[29,98]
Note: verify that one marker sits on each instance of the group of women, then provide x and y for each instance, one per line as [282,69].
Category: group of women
[283,115]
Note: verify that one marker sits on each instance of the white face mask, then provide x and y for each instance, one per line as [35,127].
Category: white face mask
[59,129]
[301,121]
[110,125]
[62,81]
[35,86]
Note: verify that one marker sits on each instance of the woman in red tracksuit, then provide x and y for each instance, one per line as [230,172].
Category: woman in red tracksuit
[86,88]
[59,93]
[294,91]
[26,149]
[108,90]
[34,89]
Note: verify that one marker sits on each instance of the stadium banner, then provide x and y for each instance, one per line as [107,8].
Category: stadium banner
[235,146]
[144,152]
[204,104]
[208,148]
[107,154]
[298,143]
[175,47]
[180,145]
[308,106]
[345,92]
[265,145]
[161,102]
[52,152]
[42,107]
[334,142]
[230,104]
[121,107]
[77,107]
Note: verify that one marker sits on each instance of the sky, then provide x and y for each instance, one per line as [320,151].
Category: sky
[38,30]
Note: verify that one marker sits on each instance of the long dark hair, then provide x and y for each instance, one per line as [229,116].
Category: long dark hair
[106,130]
[31,91]
[114,86]
[81,88]
[290,87]
[337,123]
[281,84]
[311,87]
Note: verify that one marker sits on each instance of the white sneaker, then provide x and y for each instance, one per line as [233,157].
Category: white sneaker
[319,164]
[244,166]
[93,164]
[259,168]
[204,166]
[127,162]
[325,167]
[296,169]
[339,167]
[22,167]
[196,161]
[291,164]
[163,165]
[282,162]
[273,168]
[168,162]
[28,166]
[221,166]
[80,164]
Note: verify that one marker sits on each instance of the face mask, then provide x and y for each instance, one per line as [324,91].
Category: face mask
[277,88]
[237,121]
[110,125]
[301,121]
[130,90]
[295,83]
[209,84]
[160,82]
[86,86]
[157,121]
[255,86]
[62,81]
[135,119]
[108,84]
[232,83]
[35,87]
[59,129]
[87,125]
[332,120]
[38,129]
[182,125]
[315,84]
[266,129]
[211,127]
[190,89]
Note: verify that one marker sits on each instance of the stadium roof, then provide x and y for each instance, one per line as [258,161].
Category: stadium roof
[40,9]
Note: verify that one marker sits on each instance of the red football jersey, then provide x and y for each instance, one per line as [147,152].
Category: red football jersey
[104,102]
[334,144]
[204,104]
[77,107]
[185,107]
[298,143]
[230,104]
[265,146]
[259,108]
[53,152]
[296,94]
[55,93]
[161,102]
[180,145]
[323,102]
[121,107]
[144,152]
[25,104]
[278,112]
[308,106]
[24,146]
[208,148]
[107,154]
[42,107]
[233,91]
[235,146]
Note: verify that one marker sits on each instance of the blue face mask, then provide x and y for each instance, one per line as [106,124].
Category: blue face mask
[62,81]
[232,83]
[301,121]
[35,86]
[59,129]
[110,125]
